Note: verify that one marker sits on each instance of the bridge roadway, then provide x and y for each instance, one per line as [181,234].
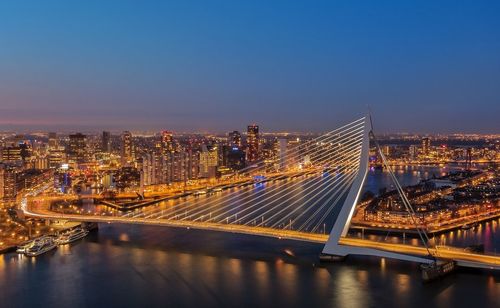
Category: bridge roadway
[463,258]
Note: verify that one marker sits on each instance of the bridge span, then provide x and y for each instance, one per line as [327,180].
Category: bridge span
[342,154]
[350,246]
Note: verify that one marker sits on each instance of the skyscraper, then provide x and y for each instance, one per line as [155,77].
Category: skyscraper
[127,155]
[426,146]
[53,141]
[77,148]
[106,142]
[252,142]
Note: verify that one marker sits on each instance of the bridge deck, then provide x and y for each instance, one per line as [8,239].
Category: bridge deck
[463,258]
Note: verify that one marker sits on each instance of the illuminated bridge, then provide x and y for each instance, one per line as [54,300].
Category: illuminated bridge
[308,194]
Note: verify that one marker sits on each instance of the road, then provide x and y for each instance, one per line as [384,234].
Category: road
[462,258]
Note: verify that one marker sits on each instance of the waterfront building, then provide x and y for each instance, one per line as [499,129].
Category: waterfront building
[252,142]
[280,149]
[413,152]
[209,158]
[426,146]
[233,157]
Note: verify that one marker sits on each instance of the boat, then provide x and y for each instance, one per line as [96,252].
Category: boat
[437,269]
[200,192]
[71,236]
[40,247]
[466,227]
[23,247]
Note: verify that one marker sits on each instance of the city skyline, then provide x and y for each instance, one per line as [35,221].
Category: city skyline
[250,153]
[191,66]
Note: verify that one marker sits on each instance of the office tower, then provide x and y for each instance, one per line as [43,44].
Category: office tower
[77,148]
[426,146]
[234,138]
[53,142]
[252,142]
[106,142]
[127,152]
[233,157]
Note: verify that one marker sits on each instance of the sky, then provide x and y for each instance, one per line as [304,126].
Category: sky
[420,66]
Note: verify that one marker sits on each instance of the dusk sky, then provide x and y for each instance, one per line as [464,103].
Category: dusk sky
[421,66]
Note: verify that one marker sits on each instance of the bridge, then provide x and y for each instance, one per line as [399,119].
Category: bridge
[314,201]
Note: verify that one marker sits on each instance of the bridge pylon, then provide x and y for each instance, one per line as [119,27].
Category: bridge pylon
[334,249]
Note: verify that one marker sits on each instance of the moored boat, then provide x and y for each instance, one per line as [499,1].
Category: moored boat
[40,247]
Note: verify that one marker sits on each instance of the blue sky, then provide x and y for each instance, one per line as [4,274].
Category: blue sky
[422,66]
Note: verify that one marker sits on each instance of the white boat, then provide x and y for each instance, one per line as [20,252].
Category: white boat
[72,236]
[22,248]
[42,246]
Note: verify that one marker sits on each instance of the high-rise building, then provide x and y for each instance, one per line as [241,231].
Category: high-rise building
[8,190]
[172,167]
[106,142]
[77,148]
[53,142]
[167,142]
[281,145]
[234,138]
[252,142]
[413,150]
[209,159]
[127,151]
[233,157]
[426,146]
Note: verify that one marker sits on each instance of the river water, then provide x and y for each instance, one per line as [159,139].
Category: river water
[140,266]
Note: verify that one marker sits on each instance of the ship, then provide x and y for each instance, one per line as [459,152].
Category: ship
[23,247]
[71,236]
[437,269]
[40,247]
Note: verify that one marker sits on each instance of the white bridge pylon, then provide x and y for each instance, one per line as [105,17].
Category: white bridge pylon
[333,245]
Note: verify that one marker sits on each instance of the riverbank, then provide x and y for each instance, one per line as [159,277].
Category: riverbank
[411,231]
[57,228]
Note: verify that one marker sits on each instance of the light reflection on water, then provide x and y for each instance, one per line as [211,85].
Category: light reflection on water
[177,267]
[125,266]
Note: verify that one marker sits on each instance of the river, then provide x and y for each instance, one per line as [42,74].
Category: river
[131,266]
